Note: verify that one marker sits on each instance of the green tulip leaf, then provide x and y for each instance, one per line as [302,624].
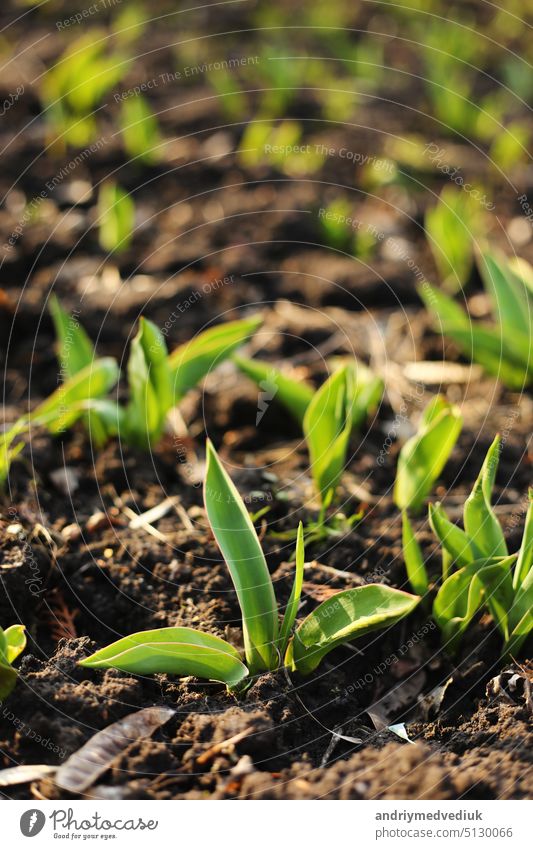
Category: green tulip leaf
[423,457]
[176,651]
[240,547]
[344,617]
[193,360]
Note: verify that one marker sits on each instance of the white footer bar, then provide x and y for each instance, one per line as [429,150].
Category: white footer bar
[268,825]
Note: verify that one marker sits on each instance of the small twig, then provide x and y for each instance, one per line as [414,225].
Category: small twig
[218,748]
[184,516]
[153,514]
[143,526]
[348,576]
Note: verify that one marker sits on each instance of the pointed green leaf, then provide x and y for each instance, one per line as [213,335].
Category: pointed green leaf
[12,642]
[327,426]
[505,358]
[15,638]
[521,614]
[344,617]
[414,562]
[156,355]
[9,449]
[294,599]
[523,270]
[192,361]
[447,563]
[524,564]
[176,651]
[520,633]
[64,406]
[459,546]
[112,417]
[444,309]
[367,393]
[481,525]
[75,352]
[116,216]
[505,355]
[433,409]
[455,605]
[149,380]
[496,578]
[240,547]
[448,228]
[140,130]
[295,395]
[509,297]
[423,457]
[75,349]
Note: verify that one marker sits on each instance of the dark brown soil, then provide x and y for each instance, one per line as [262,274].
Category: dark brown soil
[78,576]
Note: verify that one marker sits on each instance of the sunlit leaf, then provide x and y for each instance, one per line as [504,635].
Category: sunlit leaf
[294,599]
[414,562]
[150,385]
[523,270]
[296,395]
[65,405]
[458,544]
[75,349]
[176,651]
[240,547]
[509,296]
[423,457]
[12,643]
[116,217]
[327,427]
[448,225]
[344,617]
[195,359]
[75,352]
[8,680]
[15,640]
[275,386]
[9,449]
[367,393]
[140,131]
[524,564]
[481,524]
[501,351]
[496,577]
[455,605]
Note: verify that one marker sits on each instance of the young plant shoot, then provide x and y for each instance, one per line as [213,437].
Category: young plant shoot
[61,409]
[270,641]
[449,227]
[12,643]
[140,131]
[503,348]
[116,217]
[157,380]
[423,457]
[327,417]
[296,395]
[72,90]
[477,568]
